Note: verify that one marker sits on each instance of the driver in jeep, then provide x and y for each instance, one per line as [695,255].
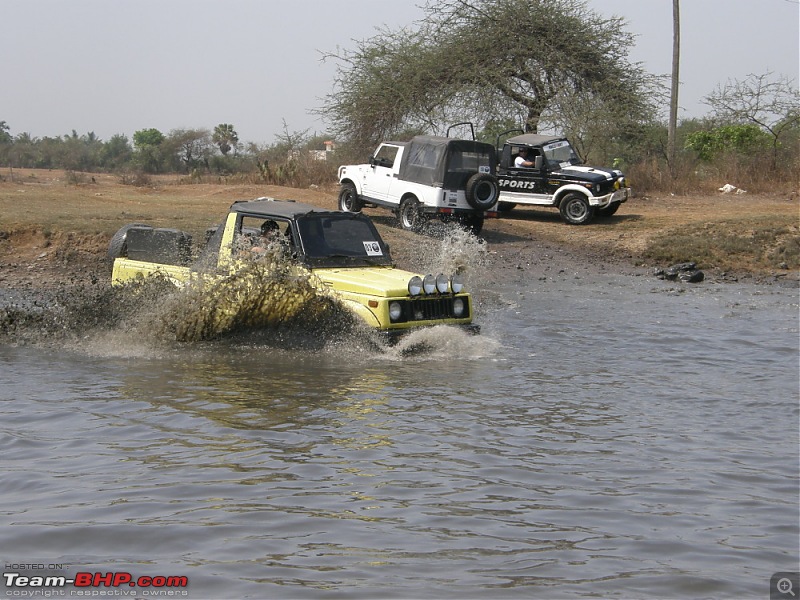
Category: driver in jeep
[522,160]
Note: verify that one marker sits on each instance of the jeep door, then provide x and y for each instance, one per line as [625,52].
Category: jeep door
[382,172]
[524,184]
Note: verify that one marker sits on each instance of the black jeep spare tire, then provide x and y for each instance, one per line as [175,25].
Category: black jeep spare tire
[482,191]
[117,247]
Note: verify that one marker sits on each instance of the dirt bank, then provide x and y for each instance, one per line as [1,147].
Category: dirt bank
[55,231]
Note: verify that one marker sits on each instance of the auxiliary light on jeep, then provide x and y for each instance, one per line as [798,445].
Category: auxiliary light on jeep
[442,283]
[456,283]
[429,284]
[415,285]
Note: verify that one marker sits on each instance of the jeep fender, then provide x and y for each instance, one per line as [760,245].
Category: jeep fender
[566,189]
[352,180]
[362,311]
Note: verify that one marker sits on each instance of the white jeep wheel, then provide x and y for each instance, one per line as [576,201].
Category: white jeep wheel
[409,214]
[349,200]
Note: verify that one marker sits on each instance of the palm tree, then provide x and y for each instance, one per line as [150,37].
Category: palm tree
[225,137]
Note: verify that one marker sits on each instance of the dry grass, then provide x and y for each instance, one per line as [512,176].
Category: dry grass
[749,243]
[751,232]
[50,201]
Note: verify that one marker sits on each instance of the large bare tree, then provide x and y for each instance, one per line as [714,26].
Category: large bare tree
[526,61]
[769,101]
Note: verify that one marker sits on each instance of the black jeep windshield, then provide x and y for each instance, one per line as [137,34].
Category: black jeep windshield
[560,154]
[341,240]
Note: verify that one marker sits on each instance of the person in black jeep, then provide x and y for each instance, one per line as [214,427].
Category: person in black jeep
[522,159]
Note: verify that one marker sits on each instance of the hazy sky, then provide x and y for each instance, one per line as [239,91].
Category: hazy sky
[117,66]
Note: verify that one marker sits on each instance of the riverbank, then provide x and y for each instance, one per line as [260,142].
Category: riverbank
[55,227]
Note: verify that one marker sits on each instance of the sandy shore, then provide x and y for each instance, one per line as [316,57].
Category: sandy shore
[52,233]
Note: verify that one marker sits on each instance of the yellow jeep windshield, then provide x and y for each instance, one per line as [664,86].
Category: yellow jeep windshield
[341,239]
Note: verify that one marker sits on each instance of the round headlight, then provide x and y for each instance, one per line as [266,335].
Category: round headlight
[415,285]
[456,283]
[395,311]
[429,284]
[442,283]
[459,307]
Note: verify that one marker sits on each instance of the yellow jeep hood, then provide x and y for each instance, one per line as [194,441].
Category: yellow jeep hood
[386,282]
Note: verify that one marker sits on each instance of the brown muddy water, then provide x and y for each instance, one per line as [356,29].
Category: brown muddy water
[615,436]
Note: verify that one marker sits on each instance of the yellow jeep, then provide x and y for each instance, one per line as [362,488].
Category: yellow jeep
[343,252]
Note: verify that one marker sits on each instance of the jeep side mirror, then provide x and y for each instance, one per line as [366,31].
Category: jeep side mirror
[538,162]
[372,161]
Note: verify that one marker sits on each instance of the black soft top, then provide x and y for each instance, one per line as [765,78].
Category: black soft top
[268,207]
[532,139]
[426,158]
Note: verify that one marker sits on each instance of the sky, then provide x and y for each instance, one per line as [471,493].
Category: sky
[118,66]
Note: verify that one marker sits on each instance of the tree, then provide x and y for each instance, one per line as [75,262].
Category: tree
[25,150]
[6,143]
[80,152]
[225,137]
[192,147]
[5,136]
[116,152]
[149,155]
[485,61]
[772,104]
[147,137]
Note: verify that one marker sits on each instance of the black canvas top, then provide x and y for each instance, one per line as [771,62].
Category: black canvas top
[532,139]
[428,158]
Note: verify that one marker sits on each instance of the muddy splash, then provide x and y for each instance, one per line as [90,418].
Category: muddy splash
[452,249]
[263,294]
[268,302]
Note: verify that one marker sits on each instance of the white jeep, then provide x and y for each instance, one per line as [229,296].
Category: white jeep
[452,179]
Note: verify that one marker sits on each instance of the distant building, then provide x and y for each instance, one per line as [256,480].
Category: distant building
[323,154]
[330,146]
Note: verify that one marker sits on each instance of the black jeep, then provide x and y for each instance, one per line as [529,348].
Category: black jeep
[553,175]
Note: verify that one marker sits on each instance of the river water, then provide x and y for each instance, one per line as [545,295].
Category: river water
[616,436]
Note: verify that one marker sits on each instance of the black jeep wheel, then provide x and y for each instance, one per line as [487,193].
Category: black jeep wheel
[409,214]
[608,210]
[349,200]
[575,209]
[482,191]
[118,247]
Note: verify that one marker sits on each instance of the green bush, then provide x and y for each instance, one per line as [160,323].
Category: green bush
[745,139]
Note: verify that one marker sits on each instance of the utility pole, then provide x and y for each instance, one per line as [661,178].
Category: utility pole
[673,99]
